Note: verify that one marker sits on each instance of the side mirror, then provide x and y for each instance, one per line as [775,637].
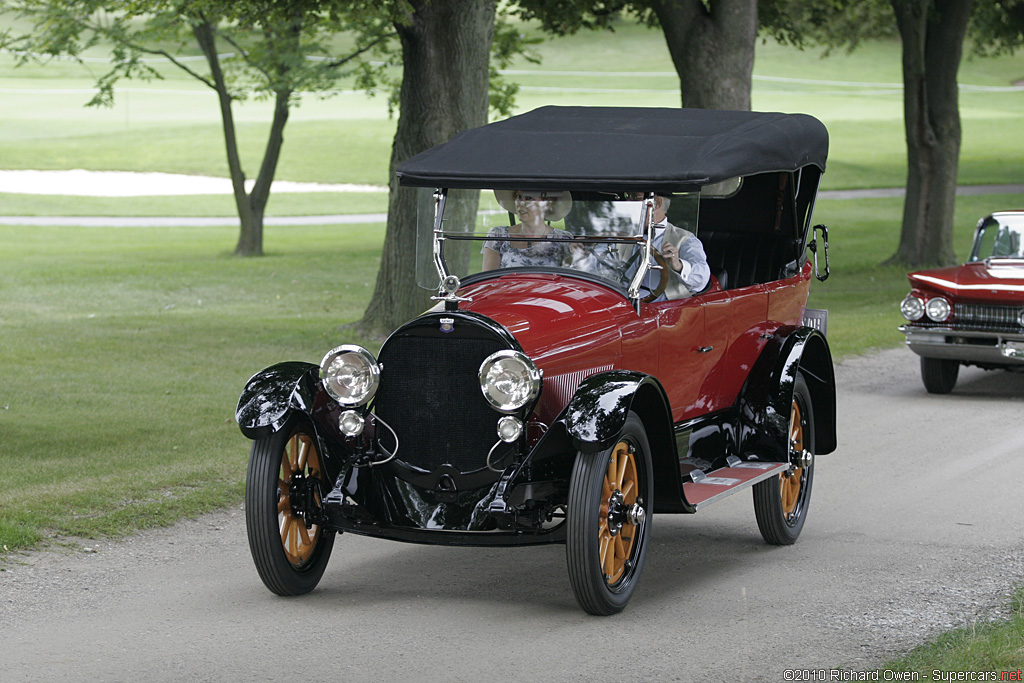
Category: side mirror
[813,246]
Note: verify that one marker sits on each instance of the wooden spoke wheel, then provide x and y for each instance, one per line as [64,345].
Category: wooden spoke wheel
[781,504]
[609,520]
[283,496]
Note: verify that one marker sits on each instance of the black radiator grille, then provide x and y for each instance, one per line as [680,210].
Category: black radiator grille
[987,317]
[430,395]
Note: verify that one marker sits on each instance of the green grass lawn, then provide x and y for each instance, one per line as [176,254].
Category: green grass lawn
[124,350]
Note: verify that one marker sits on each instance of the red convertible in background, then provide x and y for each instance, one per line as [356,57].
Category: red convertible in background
[575,392]
[971,314]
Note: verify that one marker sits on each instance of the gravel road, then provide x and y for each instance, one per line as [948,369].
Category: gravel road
[915,526]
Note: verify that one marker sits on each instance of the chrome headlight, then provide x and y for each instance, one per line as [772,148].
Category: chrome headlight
[350,374]
[912,307]
[937,309]
[509,380]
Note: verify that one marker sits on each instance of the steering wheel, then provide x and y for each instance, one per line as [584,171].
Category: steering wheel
[622,268]
[659,289]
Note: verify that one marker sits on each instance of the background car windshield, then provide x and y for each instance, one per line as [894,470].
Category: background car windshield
[598,235]
[999,237]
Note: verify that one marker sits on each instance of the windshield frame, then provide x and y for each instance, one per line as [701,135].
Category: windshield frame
[434,271]
[1012,222]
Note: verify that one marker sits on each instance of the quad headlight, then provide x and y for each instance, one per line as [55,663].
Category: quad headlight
[509,380]
[350,375]
[937,309]
[912,307]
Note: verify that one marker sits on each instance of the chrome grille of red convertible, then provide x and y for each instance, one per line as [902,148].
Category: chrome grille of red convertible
[987,317]
[430,394]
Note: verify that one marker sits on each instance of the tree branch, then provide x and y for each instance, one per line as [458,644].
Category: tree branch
[344,60]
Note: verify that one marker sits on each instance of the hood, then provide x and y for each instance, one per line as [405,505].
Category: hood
[983,280]
[557,320]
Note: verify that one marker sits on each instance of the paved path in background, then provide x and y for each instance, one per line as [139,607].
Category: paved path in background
[914,526]
[339,219]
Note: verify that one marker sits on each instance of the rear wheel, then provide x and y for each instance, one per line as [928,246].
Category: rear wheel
[780,504]
[283,490]
[939,374]
[610,501]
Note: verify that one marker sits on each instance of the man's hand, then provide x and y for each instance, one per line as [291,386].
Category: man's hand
[671,254]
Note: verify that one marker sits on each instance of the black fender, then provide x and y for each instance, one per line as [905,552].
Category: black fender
[767,396]
[597,412]
[272,395]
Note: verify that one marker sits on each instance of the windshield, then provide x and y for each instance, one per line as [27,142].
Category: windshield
[600,234]
[999,236]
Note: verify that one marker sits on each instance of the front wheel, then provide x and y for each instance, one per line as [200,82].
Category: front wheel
[781,503]
[611,497]
[283,496]
[939,374]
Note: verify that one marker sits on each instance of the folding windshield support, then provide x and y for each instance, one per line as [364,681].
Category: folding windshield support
[644,265]
[440,195]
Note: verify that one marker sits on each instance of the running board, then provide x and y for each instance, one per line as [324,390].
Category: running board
[723,482]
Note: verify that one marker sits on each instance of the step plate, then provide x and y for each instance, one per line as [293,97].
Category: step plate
[726,481]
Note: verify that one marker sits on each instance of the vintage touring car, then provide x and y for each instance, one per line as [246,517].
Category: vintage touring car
[574,391]
[972,314]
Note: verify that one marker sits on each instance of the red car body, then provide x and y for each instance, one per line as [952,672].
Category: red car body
[557,403]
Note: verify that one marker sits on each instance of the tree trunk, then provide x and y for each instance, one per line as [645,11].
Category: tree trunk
[446,47]
[250,206]
[712,47]
[932,32]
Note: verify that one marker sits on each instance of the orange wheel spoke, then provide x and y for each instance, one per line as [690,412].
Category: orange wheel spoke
[609,560]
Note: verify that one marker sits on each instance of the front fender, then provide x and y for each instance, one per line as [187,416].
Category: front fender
[767,396]
[270,396]
[594,418]
[597,412]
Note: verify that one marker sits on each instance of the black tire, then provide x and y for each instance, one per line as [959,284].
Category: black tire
[289,557]
[939,374]
[781,503]
[598,521]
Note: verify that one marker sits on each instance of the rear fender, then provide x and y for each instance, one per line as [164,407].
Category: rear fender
[767,396]
[272,395]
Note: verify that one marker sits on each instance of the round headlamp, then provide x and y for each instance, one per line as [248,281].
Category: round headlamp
[509,428]
[351,423]
[937,309]
[509,380]
[912,307]
[350,375]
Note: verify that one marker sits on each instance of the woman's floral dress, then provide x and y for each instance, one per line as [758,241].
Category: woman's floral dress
[540,252]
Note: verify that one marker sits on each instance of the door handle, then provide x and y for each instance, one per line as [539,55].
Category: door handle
[705,349]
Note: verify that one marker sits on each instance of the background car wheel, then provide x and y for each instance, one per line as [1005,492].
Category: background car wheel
[780,504]
[289,555]
[609,517]
[939,374]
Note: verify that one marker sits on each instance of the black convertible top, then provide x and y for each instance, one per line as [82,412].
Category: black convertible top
[620,148]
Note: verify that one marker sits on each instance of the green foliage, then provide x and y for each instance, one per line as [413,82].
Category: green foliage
[509,44]
[980,648]
[997,27]
[270,47]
